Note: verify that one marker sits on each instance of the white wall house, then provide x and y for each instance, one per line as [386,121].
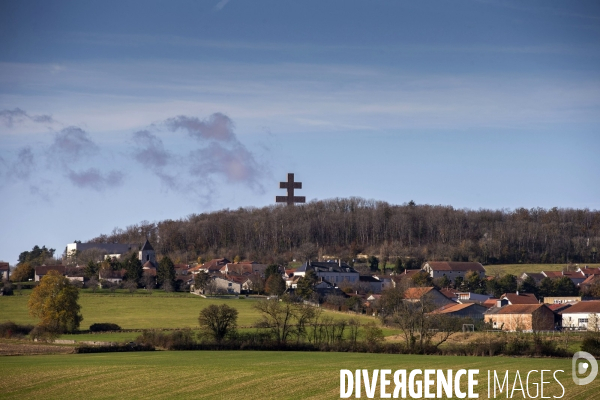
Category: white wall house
[584,315]
[452,270]
[332,272]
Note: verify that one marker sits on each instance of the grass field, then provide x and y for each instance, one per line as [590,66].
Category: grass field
[242,374]
[518,269]
[141,311]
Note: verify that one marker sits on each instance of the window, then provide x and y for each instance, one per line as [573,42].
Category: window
[583,321]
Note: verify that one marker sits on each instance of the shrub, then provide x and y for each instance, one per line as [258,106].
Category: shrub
[41,332]
[6,290]
[176,340]
[591,344]
[104,327]
[112,349]
[9,329]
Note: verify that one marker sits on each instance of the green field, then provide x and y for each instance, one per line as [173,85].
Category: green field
[241,374]
[141,311]
[518,269]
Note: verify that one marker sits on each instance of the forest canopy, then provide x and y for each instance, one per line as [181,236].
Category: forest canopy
[345,227]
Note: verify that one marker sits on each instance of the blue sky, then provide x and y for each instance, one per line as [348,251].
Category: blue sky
[121,111]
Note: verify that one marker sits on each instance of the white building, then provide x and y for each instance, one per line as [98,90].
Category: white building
[584,315]
[452,270]
[332,272]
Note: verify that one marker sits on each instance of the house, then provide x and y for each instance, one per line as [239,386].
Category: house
[110,249]
[590,281]
[332,272]
[469,310]
[372,283]
[521,317]
[536,276]
[111,276]
[231,284]
[451,269]
[576,277]
[213,265]
[470,297]
[589,271]
[415,294]
[519,298]
[75,273]
[43,270]
[449,293]
[561,299]
[584,315]
[403,278]
[243,268]
[4,271]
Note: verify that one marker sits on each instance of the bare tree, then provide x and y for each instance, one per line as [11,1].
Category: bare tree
[130,285]
[218,321]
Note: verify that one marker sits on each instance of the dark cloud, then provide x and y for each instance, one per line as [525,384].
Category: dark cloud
[151,150]
[235,163]
[25,164]
[72,143]
[218,156]
[216,127]
[151,153]
[94,179]
[11,117]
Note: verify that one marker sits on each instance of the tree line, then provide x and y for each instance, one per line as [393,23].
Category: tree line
[347,227]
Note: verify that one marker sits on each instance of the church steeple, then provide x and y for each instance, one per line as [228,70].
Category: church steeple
[147,253]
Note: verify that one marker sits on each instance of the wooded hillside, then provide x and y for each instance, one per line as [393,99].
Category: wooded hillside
[347,227]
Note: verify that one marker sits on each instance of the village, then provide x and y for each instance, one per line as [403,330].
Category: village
[532,302]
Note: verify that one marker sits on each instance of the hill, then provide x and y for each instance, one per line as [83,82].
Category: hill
[347,227]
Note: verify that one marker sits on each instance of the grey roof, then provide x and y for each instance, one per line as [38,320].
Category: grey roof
[147,246]
[109,248]
[327,267]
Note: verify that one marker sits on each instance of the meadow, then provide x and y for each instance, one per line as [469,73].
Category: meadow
[158,310]
[519,269]
[247,374]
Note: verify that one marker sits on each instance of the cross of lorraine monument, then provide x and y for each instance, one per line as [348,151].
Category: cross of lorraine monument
[290,185]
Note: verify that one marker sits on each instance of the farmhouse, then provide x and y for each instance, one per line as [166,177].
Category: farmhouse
[575,277]
[110,249]
[519,298]
[43,270]
[469,310]
[233,284]
[584,315]
[416,294]
[332,272]
[452,270]
[521,317]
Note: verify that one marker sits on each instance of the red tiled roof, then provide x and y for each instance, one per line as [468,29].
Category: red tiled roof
[215,264]
[558,307]
[455,266]
[450,308]
[417,292]
[592,306]
[4,266]
[590,271]
[520,308]
[44,269]
[489,303]
[448,293]
[521,298]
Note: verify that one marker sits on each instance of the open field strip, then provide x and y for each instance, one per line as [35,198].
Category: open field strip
[144,311]
[247,374]
[518,269]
